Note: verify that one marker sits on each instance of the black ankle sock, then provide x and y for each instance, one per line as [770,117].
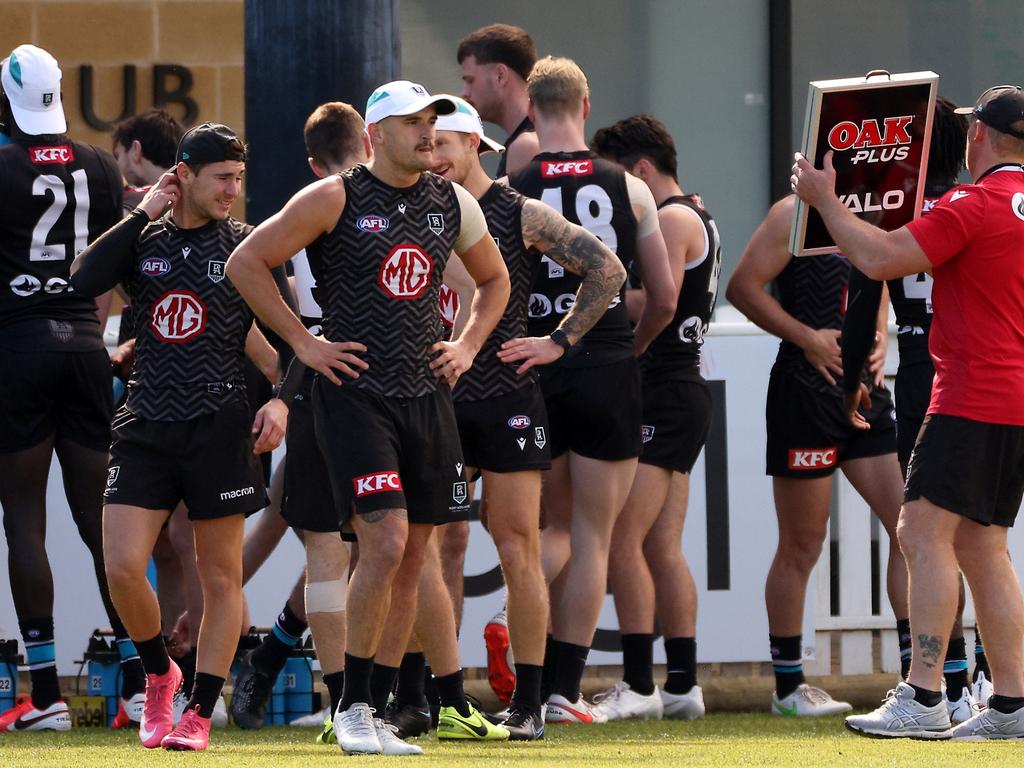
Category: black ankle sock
[787,661]
[37,634]
[271,655]
[547,679]
[681,655]
[187,665]
[153,653]
[410,680]
[954,668]
[133,676]
[572,660]
[906,645]
[527,693]
[638,662]
[430,689]
[450,689]
[357,682]
[1006,704]
[382,681]
[980,659]
[335,682]
[926,697]
[205,693]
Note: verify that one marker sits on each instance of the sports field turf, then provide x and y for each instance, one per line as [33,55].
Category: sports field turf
[715,741]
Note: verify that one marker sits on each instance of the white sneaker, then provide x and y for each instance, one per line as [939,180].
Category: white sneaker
[901,716]
[683,706]
[390,744]
[620,702]
[962,709]
[315,720]
[24,717]
[990,724]
[355,731]
[179,705]
[561,710]
[982,690]
[219,718]
[808,701]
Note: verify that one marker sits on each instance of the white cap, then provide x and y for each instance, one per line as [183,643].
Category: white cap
[31,81]
[465,119]
[402,97]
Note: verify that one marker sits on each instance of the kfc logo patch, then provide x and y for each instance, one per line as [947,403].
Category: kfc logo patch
[552,169]
[178,316]
[812,458]
[405,272]
[378,482]
[61,154]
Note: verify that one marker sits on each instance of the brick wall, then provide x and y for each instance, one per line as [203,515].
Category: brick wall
[205,36]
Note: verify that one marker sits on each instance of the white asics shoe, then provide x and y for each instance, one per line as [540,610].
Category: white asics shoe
[315,720]
[808,701]
[178,705]
[355,731]
[963,709]
[683,706]
[901,716]
[620,702]
[561,710]
[390,744]
[982,690]
[219,718]
[990,724]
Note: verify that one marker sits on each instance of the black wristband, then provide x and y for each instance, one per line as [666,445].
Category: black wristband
[561,339]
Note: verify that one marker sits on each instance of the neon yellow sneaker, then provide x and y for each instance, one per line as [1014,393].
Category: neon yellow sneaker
[452,725]
[326,736]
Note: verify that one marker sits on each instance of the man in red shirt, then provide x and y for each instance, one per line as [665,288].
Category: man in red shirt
[966,475]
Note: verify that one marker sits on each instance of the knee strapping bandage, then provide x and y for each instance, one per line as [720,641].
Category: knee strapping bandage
[326,596]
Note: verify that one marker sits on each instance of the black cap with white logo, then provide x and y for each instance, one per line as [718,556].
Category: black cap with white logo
[1000,107]
[210,143]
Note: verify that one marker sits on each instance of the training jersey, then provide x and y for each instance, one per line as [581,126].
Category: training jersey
[675,352]
[56,196]
[379,273]
[592,192]
[974,239]
[191,322]
[489,377]
[525,126]
[813,290]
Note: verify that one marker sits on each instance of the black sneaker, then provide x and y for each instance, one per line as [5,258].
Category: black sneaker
[411,720]
[524,724]
[252,691]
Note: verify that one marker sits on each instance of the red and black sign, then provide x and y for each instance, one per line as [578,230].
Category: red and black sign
[878,132]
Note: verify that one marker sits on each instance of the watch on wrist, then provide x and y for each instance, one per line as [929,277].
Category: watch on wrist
[561,339]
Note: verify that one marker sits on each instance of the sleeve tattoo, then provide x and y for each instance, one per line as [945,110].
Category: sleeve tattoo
[580,252]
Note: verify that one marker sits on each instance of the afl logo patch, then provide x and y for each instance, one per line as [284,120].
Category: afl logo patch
[519,422]
[155,266]
[373,224]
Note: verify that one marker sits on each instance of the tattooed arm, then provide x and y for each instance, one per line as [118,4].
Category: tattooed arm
[580,252]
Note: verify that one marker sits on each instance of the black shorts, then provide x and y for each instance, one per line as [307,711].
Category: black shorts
[42,393]
[913,393]
[392,453]
[259,391]
[971,468]
[207,462]
[594,412]
[508,433]
[677,417]
[308,503]
[808,434]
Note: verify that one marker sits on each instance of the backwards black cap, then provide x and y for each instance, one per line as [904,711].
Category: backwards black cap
[1000,107]
[209,143]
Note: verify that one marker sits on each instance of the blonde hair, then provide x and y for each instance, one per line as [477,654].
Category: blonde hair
[557,86]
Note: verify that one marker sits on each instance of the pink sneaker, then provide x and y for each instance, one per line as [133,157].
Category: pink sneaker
[192,733]
[157,712]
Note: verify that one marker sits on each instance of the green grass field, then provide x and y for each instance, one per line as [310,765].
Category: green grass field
[716,741]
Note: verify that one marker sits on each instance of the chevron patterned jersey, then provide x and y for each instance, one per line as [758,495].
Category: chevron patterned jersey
[191,321]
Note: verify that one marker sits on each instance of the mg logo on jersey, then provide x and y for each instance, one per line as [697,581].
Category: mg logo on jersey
[155,266]
[551,169]
[405,272]
[178,316]
[449,301]
[519,422]
[812,458]
[378,482]
[61,154]
[373,224]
